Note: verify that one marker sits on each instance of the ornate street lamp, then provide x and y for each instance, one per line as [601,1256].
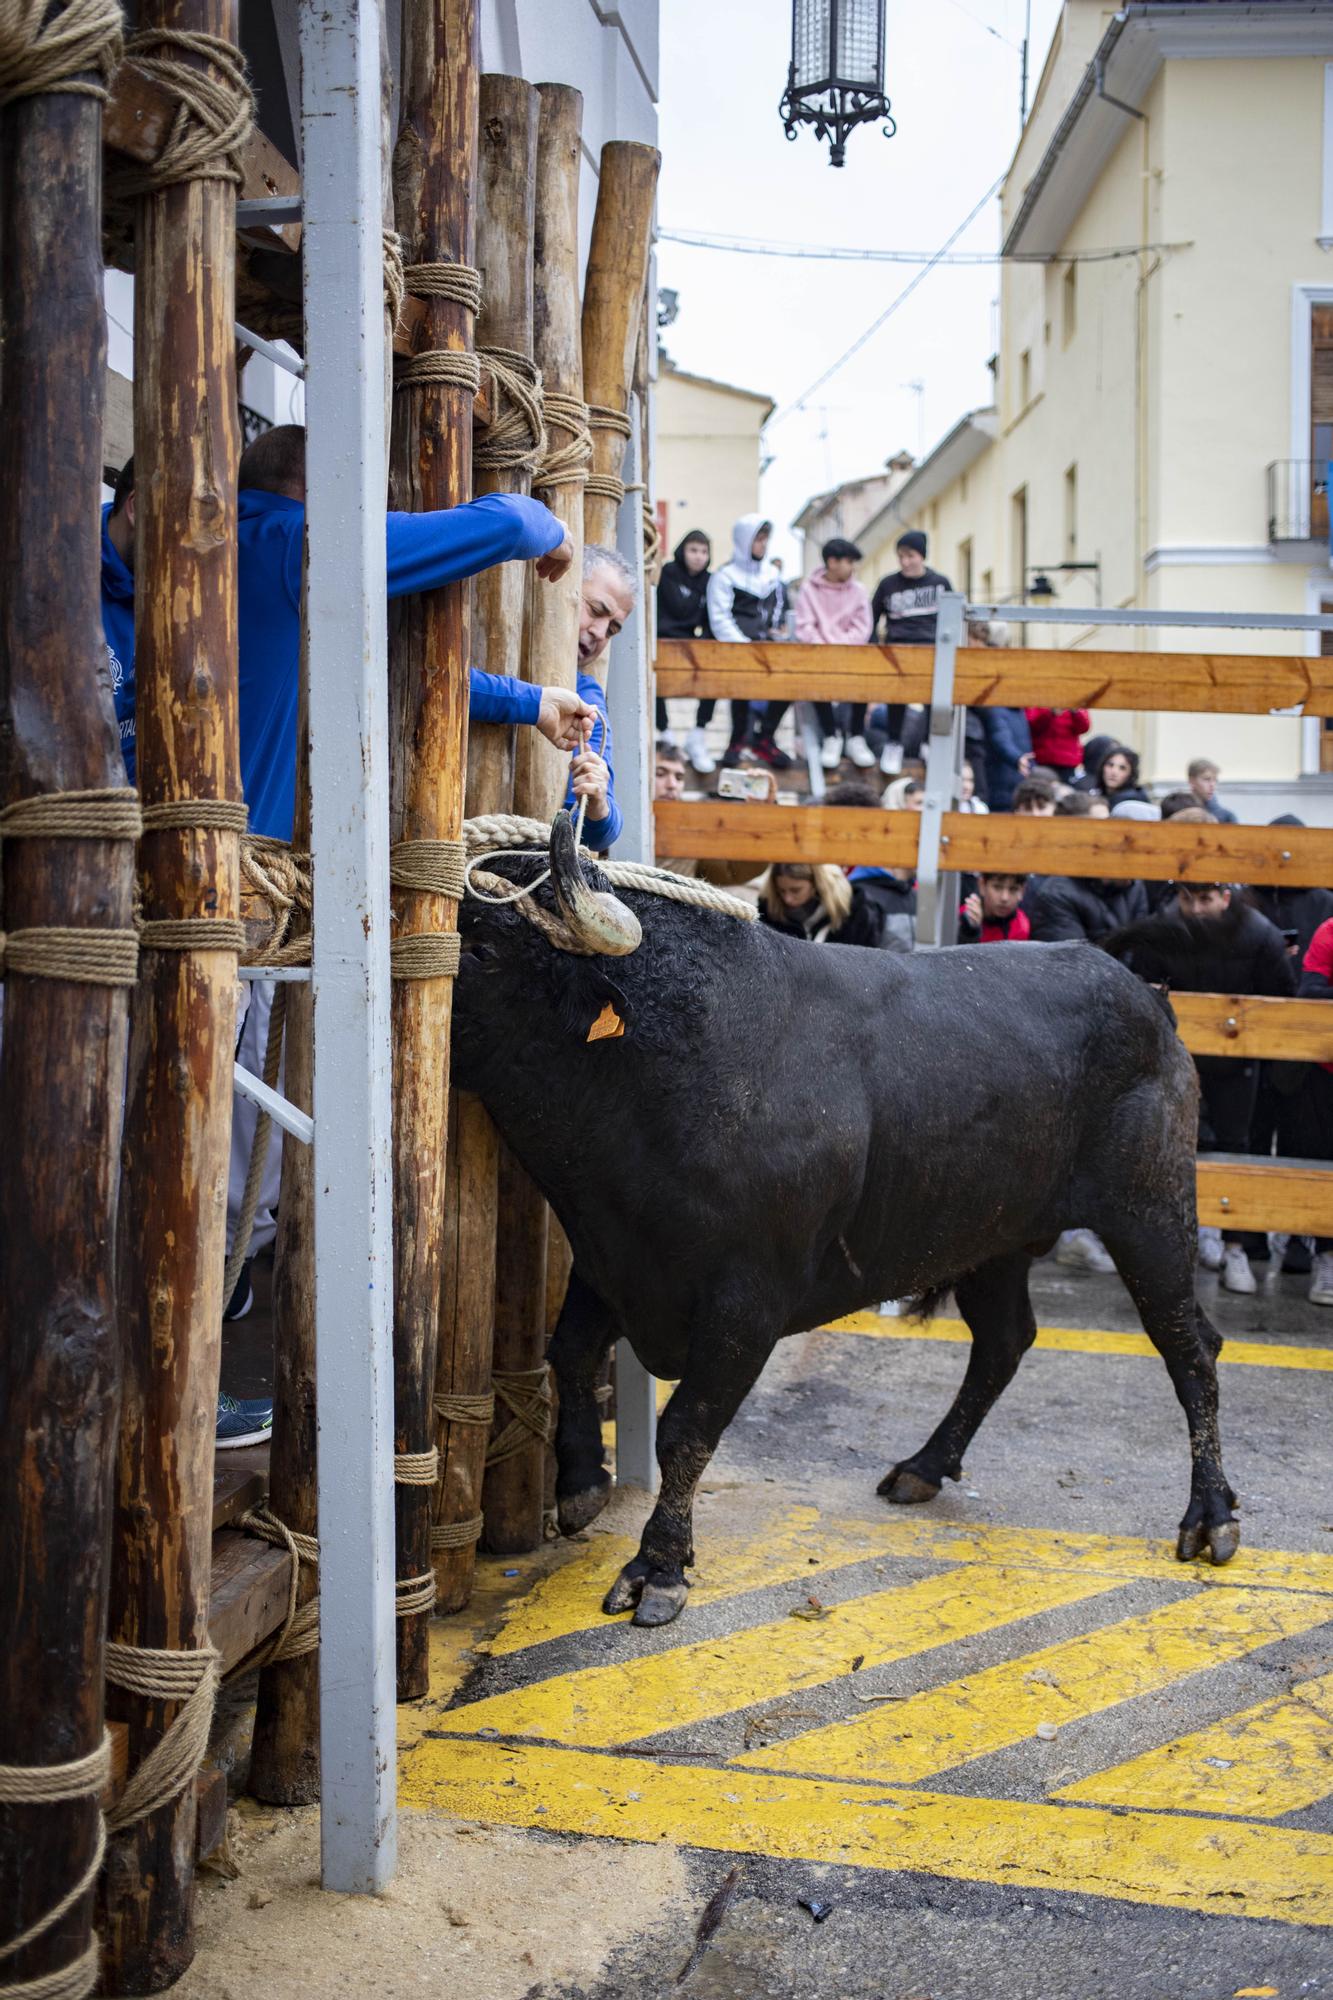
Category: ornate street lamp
[836,76]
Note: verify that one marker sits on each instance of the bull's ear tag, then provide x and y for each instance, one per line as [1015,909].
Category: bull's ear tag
[607,1025]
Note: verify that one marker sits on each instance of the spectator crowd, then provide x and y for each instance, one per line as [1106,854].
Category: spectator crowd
[1188,937]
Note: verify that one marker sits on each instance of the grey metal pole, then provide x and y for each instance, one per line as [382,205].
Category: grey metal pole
[936,892]
[628,698]
[349,776]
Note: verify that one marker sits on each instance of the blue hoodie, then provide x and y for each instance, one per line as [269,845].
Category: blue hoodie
[424,551]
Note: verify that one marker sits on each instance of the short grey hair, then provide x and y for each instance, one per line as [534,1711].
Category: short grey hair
[596,555]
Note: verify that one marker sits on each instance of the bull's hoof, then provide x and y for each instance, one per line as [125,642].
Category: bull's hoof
[905,1488]
[627,1589]
[1218,1540]
[661,1602]
[575,1510]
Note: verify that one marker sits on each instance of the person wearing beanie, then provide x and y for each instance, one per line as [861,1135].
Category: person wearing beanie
[906,606]
[682,613]
[834,610]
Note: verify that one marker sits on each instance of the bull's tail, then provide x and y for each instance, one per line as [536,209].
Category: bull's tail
[925,1305]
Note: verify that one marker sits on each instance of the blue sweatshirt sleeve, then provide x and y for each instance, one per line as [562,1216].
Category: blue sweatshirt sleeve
[599,833]
[501,698]
[426,550]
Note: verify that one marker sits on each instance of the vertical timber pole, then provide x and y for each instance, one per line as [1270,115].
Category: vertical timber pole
[629,703]
[507,178]
[435,167]
[62,1051]
[613,296]
[171,1242]
[349,783]
[937,891]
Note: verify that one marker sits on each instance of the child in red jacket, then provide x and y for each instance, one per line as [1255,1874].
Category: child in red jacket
[1057,738]
[992,913]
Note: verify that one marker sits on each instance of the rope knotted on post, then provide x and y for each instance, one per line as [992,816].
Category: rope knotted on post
[215,110]
[282,878]
[607,485]
[526,1393]
[44,49]
[433,866]
[446,367]
[156,1674]
[466,1409]
[515,439]
[83,955]
[457,282]
[299,1632]
[564,464]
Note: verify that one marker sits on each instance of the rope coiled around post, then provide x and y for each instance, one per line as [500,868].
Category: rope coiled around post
[457,1534]
[194,933]
[436,867]
[45,49]
[157,1674]
[82,955]
[299,1632]
[416,1468]
[48,1785]
[215,110]
[526,1393]
[607,485]
[564,464]
[459,283]
[515,439]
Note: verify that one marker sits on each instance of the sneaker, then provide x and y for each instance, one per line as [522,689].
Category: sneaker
[1321,1291]
[831,755]
[243,1422]
[1080,1250]
[731,757]
[891,760]
[1236,1273]
[767,751]
[1210,1247]
[243,1295]
[669,736]
[1297,1263]
[861,753]
[696,749]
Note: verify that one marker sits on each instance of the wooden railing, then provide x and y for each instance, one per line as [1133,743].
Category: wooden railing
[1238,1193]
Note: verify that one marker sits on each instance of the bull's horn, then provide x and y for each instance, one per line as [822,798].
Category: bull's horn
[600,922]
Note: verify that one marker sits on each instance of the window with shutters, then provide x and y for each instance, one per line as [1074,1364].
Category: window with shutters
[1321,416]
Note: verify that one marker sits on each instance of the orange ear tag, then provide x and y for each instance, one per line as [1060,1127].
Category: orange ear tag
[607,1025]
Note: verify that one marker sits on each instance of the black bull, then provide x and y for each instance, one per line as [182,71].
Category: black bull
[785,1133]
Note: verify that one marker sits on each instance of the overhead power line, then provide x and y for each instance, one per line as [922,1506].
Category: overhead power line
[755,246]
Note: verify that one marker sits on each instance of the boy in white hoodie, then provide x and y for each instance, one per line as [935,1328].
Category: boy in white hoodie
[745,597]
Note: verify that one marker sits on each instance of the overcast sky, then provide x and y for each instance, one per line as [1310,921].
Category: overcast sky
[775,325]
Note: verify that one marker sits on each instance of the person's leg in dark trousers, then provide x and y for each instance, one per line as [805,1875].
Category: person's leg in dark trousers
[1305,1128]
[661,715]
[1227,1091]
[856,718]
[772,716]
[740,724]
[704,713]
[897,710]
[827,720]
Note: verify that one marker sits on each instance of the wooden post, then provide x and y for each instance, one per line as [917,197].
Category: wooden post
[505,223]
[612,303]
[62,1052]
[514,1493]
[430,466]
[178,1120]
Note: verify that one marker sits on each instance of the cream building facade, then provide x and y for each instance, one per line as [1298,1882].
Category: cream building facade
[707,460]
[1164,381]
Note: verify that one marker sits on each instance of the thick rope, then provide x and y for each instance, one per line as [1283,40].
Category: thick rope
[85,957]
[215,110]
[414,1594]
[299,1632]
[282,878]
[416,1468]
[446,367]
[196,815]
[601,417]
[564,464]
[192,934]
[45,49]
[457,1534]
[395,284]
[425,955]
[56,1784]
[515,439]
[159,1675]
[457,282]
[73,1981]
[526,1392]
[433,866]
[604,486]
[254,1173]
[103,815]
[466,1409]
[494,834]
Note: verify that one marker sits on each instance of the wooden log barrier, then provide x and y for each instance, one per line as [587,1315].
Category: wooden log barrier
[430,467]
[612,302]
[62,1051]
[989,677]
[178,1117]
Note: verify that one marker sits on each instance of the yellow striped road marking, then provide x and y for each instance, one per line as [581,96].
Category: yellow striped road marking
[1169,1859]
[1273,1759]
[945,1726]
[567,1601]
[1085,1340]
[638,1697]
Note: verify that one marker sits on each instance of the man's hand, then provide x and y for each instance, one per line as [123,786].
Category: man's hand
[563,716]
[591,780]
[552,566]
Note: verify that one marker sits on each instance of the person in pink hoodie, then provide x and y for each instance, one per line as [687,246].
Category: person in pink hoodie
[832,609]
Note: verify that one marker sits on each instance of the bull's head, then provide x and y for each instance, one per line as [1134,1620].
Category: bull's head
[593,923]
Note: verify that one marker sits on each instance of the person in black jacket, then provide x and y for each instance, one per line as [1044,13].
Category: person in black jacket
[1118,777]
[1210,941]
[906,606]
[1069,907]
[682,613]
